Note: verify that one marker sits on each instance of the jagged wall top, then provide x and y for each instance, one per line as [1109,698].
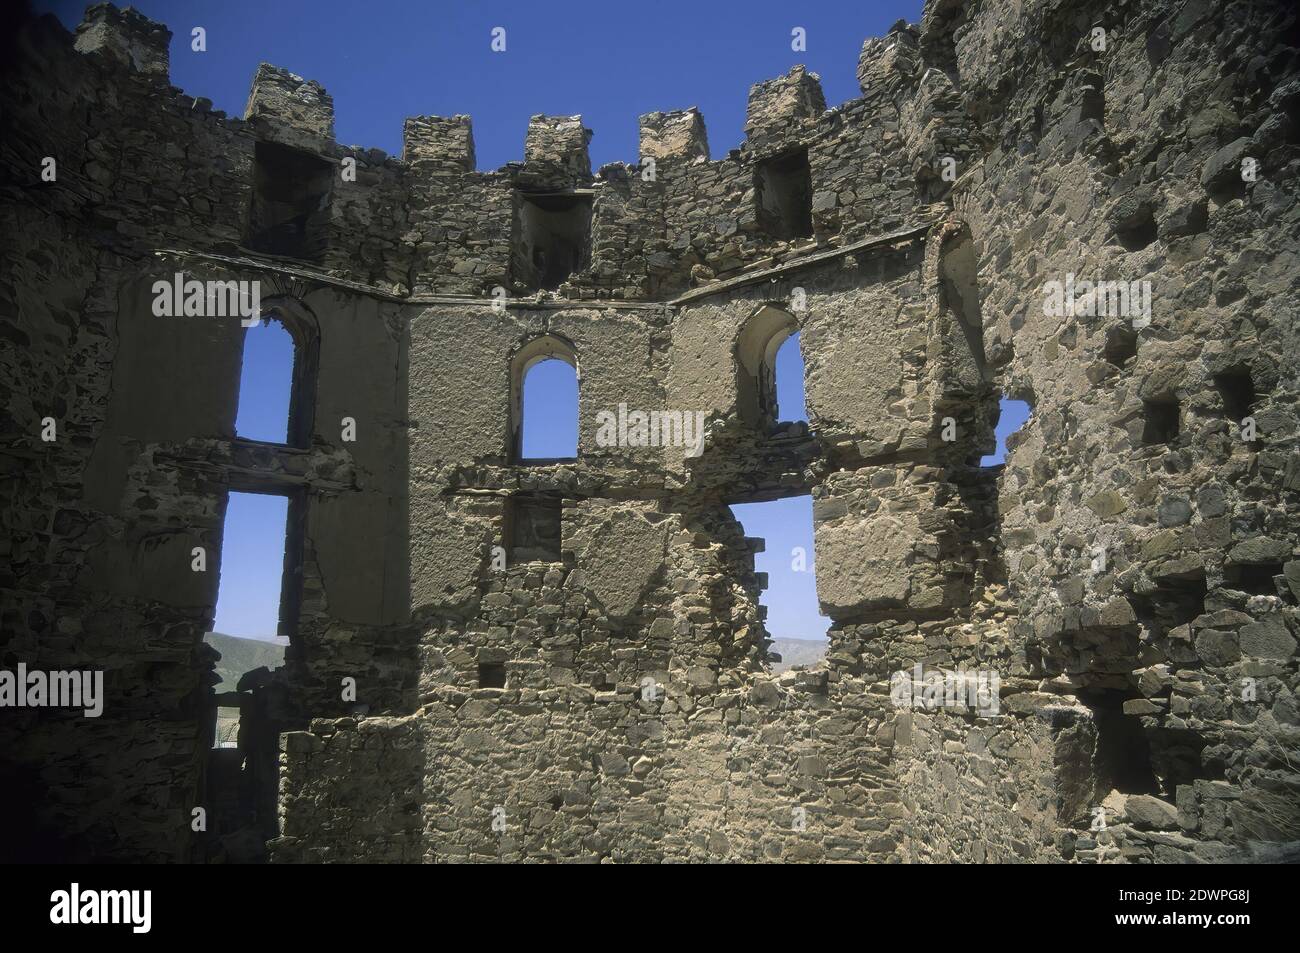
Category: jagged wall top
[127,37]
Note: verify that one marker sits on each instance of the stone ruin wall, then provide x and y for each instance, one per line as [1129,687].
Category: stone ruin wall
[923,301]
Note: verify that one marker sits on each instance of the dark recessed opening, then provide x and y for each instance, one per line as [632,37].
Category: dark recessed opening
[552,238]
[1254,578]
[1237,391]
[1160,421]
[1121,345]
[1122,759]
[556,801]
[1138,236]
[1178,757]
[1174,602]
[533,528]
[289,215]
[783,186]
[491,675]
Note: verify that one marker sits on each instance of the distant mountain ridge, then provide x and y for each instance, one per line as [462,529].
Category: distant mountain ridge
[240,655]
[798,652]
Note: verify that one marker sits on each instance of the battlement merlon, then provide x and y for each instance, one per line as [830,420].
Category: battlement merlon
[558,144]
[679,134]
[447,142]
[127,37]
[890,62]
[775,103]
[291,110]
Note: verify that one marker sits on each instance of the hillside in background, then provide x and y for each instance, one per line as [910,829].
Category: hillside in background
[798,652]
[242,655]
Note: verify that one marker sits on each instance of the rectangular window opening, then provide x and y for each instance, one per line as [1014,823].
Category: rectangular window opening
[552,238]
[1121,345]
[784,571]
[1160,421]
[1254,578]
[258,589]
[533,526]
[290,210]
[227,733]
[783,186]
[491,675]
[1122,759]
[1237,390]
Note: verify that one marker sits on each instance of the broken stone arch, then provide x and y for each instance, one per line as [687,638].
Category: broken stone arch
[759,340]
[544,347]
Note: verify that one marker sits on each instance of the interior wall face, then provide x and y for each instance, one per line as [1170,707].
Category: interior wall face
[457,691]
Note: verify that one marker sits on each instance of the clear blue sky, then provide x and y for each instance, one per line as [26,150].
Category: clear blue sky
[551,411]
[1012,416]
[384,61]
[252,560]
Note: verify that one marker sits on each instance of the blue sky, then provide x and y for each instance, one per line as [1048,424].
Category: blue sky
[384,61]
[1012,416]
[551,410]
[252,560]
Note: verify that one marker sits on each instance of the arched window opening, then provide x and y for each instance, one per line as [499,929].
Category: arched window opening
[277,379]
[544,402]
[1012,415]
[769,368]
[266,383]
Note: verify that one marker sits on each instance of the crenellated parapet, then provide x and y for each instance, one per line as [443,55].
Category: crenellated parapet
[806,177]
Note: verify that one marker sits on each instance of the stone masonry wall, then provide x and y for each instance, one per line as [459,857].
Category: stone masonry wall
[1131,573]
